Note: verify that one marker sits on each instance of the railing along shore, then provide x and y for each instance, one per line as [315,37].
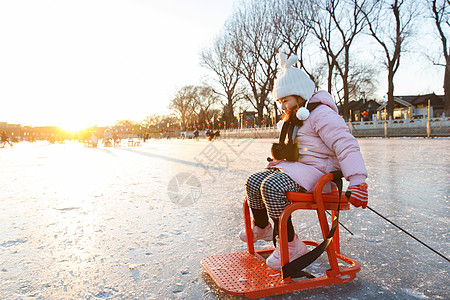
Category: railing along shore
[435,127]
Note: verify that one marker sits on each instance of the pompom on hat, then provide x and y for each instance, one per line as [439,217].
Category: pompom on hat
[292,80]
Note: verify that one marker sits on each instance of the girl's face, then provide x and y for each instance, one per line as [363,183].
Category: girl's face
[290,102]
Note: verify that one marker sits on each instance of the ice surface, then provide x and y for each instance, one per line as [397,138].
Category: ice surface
[125,222]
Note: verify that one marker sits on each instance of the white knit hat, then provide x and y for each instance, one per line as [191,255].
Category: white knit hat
[292,80]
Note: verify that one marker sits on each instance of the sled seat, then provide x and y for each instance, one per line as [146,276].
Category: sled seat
[247,274]
[330,201]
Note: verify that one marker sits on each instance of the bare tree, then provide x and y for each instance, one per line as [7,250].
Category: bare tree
[183,102]
[194,104]
[126,123]
[255,42]
[289,21]
[130,126]
[440,15]
[319,73]
[223,61]
[361,80]
[169,120]
[336,23]
[204,103]
[439,12]
[447,88]
[152,120]
[323,29]
[390,25]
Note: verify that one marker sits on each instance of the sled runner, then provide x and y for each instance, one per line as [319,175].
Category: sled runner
[246,273]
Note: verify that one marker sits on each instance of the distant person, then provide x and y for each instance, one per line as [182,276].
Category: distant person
[196,134]
[94,140]
[86,138]
[51,139]
[116,140]
[210,134]
[217,134]
[5,139]
[4,136]
[107,136]
[319,142]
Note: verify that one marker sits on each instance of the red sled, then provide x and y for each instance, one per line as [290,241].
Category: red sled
[247,274]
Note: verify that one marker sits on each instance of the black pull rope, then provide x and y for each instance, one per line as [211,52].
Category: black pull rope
[294,268]
[341,224]
[446,258]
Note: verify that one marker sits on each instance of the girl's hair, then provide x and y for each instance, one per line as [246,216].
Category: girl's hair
[292,113]
[299,98]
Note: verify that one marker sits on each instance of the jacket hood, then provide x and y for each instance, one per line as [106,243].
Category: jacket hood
[325,98]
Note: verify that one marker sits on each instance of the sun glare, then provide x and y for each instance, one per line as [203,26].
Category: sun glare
[73,127]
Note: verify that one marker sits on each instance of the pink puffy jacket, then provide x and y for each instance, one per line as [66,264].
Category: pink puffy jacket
[325,145]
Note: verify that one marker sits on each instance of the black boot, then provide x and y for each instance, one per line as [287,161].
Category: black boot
[260,217]
[290,230]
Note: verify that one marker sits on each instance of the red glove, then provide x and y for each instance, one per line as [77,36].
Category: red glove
[358,195]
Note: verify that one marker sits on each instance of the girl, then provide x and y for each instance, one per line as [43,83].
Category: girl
[324,145]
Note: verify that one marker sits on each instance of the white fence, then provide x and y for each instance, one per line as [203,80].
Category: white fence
[436,127]
[403,127]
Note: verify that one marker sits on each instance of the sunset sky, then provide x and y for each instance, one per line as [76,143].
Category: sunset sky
[78,63]
[72,63]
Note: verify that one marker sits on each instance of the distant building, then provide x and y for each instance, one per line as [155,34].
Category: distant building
[415,107]
[18,131]
[12,130]
[363,110]
[247,119]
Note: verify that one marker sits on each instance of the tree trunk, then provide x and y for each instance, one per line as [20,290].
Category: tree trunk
[346,110]
[275,109]
[330,78]
[447,88]
[260,115]
[229,116]
[390,102]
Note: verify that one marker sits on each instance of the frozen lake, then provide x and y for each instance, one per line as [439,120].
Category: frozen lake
[135,222]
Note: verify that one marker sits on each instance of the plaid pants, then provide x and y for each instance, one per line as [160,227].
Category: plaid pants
[267,190]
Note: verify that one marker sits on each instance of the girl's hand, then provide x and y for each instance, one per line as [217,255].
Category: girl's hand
[272,163]
[358,195]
